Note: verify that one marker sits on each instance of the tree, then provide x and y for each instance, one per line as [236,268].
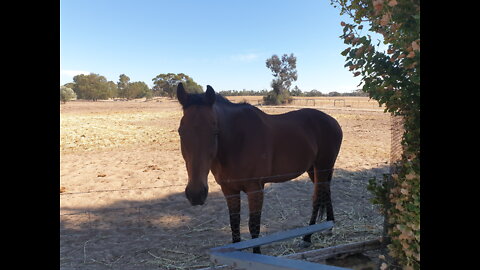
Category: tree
[284,72]
[66,94]
[69,85]
[112,90]
[313,93]
[122,85]
[166,84]
[137,90]
[93,87]
[393,79]
[334,94]
[296,91]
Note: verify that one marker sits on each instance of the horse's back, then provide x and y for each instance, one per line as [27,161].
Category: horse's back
[329,136]
[311,122]
[283,146]
[311,131]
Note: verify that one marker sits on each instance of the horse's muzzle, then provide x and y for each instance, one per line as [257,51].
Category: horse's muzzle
[196,197]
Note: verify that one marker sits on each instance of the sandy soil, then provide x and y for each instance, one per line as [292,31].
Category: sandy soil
[123,180]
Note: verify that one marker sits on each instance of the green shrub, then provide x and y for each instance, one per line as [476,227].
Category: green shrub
[66,94]
[273,99]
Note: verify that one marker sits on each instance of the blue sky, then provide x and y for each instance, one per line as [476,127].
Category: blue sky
[221,43]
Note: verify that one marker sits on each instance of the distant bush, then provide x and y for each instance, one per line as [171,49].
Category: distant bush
[277,99]
[66,94]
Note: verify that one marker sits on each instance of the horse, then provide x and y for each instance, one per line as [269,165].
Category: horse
[245,148]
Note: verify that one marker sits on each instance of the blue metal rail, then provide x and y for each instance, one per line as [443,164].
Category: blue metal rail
[231,255]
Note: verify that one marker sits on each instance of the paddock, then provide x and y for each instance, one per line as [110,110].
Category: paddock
[123,178]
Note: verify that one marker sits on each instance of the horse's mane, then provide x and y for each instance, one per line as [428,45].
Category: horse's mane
[222,100]
[199,99]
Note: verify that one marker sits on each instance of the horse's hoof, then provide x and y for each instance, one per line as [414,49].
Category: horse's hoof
[305,244]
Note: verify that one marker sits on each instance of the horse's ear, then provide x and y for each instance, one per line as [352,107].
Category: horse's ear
[182,95]
[210,95]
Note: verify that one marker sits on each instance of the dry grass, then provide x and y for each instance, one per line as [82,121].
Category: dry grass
[324,102]
[134,146]
[112,130]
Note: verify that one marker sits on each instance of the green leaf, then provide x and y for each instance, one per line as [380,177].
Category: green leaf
[344,52]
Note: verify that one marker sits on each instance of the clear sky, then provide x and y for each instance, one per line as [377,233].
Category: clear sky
[217,42]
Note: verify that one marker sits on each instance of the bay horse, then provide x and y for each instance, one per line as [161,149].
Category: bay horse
[245,148]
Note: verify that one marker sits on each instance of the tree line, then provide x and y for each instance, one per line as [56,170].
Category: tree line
[296,92]
[96,87]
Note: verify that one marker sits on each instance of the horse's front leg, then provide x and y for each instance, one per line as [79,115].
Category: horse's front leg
[255,202]
[233,203]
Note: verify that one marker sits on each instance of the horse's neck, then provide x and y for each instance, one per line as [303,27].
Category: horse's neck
[224,115]
[227,114]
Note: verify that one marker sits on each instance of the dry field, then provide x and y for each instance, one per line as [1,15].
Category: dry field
[123,177]
[342,103]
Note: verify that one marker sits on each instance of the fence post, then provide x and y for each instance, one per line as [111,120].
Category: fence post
[396,151]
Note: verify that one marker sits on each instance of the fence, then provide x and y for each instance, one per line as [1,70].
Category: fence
[396,151]
[231,255]
[345,102]
[101,224]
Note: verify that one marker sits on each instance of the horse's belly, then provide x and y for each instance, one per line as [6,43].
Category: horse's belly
[273,158]
[292,157]
[278,178]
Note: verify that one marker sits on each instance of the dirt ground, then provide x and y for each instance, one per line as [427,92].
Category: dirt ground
[122,181]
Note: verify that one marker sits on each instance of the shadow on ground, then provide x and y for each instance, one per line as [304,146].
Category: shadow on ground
[168,233]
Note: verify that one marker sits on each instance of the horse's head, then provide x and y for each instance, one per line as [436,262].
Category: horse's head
[198,139]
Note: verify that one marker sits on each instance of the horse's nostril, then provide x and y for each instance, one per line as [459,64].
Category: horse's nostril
[197,202]
[195,197]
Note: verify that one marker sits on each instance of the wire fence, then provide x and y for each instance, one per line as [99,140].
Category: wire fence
[169,233]
[396,148]
[128,230]
[338,102]
[163,187]
[118,190]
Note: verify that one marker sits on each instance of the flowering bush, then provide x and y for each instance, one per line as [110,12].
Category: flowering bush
[393,79]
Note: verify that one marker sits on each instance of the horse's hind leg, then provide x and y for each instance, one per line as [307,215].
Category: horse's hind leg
[328,202]
[321,199]
[255,203]
[307,239]
[325,196]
